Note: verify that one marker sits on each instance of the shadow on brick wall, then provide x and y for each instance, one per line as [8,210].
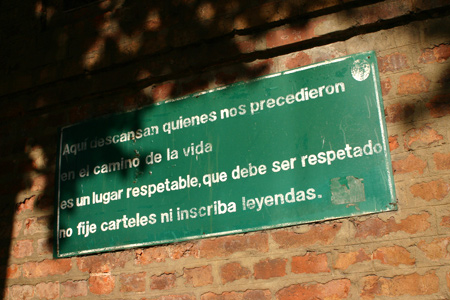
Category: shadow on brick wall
[66,66]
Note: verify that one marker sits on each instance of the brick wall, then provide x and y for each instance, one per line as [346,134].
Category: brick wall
[61,67]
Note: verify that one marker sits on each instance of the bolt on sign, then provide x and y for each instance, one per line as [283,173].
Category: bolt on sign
[300,146]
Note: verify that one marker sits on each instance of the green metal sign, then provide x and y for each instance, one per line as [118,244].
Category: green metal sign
[300,146]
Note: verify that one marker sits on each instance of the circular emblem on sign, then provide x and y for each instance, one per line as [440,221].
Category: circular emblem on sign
[360,70]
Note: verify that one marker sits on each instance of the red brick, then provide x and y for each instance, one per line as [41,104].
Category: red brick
[436,189]
[393,142]
[447,277]
[22,248]
[233,271]
[200,276]
[150,255]
[437,54]
[427,56]
[227,245]
[345,260]
[22,292]
[104,262]
[410,164]
[132,282]
[439,106]
[412,84]
[173,297]
[321,233]
[413,284]
[46,268]
[247,295]
[247,46]
[435,250]
[269,268]
[335,289]
[423,136]
[441,53]
[181,250]
[101,284]
[300,59]
[164,91]
[72,289]
[394,256]
[13,271]
[49,290]
[442,161]
[398,112]
[376,227]
[164,281]
[393,62]
[445,221]
[310,263]
[386,86]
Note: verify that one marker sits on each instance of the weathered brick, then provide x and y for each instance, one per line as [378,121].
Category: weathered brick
[150,255]
[300,59]
[393,256]
[412,84]
[22,248]
[310,263]
[335,289]
[439,105]
[408,165]
[164,91]
[104,262]
[398,112]
[376,227]
[436,189]
[247,295]
[72,289]
[386,86]
[393,62]
[26,205]
[413,284]
[173,297]
[22,292]
[393,142]
[101,284]
[200,276]
[164,281]
[227,245]
[436,54]
[320,233]
[46,268]
[445,221]
[345,260]
[442,161]
[233,271]
[49,290]
[12,272]
[269,268]
[421,137]
[36,225]
[132,282]
[16,228]
[436,249]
